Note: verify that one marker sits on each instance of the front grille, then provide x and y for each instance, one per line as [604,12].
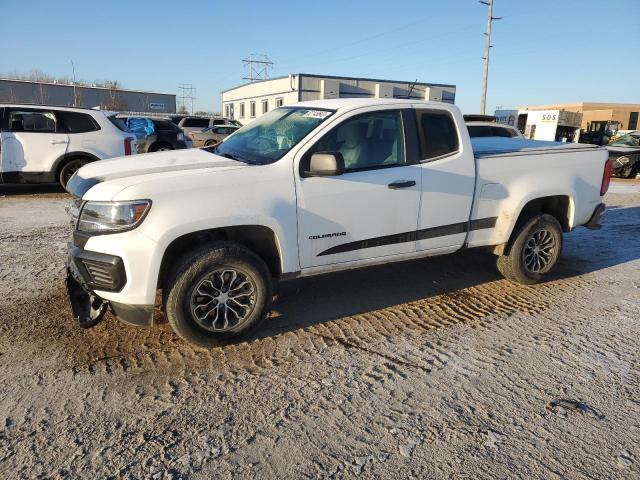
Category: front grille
[100,273]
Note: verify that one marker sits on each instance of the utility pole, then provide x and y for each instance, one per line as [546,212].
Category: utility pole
[487,46]
[257,67]
[75,95]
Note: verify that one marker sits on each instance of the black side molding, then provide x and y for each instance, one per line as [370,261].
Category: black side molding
[433,232]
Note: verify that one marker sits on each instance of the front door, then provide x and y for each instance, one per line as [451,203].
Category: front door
[369,211]
[34,140]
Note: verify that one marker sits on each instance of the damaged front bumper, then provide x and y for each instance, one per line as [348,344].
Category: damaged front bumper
[88,309]
[90,271]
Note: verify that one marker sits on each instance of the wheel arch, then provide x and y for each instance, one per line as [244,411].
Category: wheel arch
[260,239]
[62,160]
[560,206]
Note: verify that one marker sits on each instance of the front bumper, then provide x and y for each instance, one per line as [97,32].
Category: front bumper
[89,271]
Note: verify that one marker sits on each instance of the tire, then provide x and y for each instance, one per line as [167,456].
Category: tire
[162,147]
[69,168]
[210,143]
[207,271]
[519,264]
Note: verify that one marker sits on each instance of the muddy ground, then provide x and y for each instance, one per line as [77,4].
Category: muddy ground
[435,368]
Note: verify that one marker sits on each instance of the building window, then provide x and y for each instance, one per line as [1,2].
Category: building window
[633,121]
[252,109]
[279,102]
[242,110]
[265,106]
[227,111]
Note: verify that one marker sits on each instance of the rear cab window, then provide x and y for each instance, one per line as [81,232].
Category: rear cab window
[438,134]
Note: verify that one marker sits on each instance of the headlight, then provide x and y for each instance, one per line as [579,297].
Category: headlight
[106,217]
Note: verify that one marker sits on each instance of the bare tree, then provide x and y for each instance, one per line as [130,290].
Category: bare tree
[114,101]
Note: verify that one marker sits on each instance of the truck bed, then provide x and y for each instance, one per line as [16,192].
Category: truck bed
[497,146]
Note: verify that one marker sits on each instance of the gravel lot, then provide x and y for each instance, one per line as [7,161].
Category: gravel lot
[435,368]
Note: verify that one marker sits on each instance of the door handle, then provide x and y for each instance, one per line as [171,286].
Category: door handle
[56,142]
[401,184]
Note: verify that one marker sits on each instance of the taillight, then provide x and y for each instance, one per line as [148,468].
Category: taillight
[606,177]
[127,145]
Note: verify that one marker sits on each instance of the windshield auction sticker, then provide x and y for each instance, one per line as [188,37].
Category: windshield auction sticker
[316,114]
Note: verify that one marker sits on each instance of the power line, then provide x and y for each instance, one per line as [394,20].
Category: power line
[487,46]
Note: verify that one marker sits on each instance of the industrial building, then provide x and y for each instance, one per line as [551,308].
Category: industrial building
[624,115]
[249,101]
[51,93]
[550,124]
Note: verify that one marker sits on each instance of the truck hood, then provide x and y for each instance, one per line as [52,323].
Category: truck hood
[136,168]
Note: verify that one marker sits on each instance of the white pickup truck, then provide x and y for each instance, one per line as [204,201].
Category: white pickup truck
[314,188]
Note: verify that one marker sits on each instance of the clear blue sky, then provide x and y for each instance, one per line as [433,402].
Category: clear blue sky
[545,51]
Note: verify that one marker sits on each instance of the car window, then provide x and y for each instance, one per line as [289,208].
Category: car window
[219,122]
[26,121]
[269,137]
[502,132]
[164,126]
[76,122]
[118,123]
[479,131]
[438,134]
[369,140]
[196,122]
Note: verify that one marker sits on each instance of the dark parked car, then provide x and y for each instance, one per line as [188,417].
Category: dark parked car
[155,135]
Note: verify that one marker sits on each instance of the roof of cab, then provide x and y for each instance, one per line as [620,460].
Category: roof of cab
[352,103]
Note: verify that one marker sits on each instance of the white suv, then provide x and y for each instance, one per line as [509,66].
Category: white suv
[45,144]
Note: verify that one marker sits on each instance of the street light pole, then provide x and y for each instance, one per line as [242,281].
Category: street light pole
[75,96]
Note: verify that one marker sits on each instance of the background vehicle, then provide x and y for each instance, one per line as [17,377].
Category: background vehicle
[314,188]
[45,144]
[600,132]
[196,124]
[212,135]
[624,153]
[492,129]
[155,135]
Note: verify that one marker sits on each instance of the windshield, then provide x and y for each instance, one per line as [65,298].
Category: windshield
[269,138]
[625,140]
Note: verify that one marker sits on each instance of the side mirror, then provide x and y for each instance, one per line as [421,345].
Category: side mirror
[325,164]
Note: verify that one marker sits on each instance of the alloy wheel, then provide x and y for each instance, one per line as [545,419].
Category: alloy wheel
[223,300]
[539,250]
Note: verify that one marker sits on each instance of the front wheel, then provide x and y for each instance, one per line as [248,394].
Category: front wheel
[534,251]
[210,143]
[217,293]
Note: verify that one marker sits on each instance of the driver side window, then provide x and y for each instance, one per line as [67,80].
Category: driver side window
[370,140]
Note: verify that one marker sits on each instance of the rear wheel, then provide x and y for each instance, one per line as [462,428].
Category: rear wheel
[534,250]
[218,293]
[69,168]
